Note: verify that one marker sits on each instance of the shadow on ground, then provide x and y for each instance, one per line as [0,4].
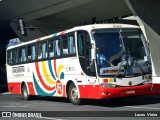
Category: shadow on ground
[130,101]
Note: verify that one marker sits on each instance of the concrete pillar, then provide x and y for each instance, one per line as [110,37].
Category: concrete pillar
[149,13]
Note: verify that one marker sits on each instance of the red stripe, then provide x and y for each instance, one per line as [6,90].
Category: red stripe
[41,80]
[31,88]
[64,91]
[55,67]
[14,87]
[38,39]
[61,33]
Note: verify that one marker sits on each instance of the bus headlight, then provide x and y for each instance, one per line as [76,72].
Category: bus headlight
[107,85]
[147,82]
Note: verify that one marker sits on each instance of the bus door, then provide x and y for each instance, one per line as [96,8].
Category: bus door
[84,53]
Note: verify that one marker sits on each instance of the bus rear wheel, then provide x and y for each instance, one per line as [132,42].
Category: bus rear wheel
[73,95]
[25,92]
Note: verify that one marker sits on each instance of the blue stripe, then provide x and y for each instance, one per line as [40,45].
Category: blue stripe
[62,76]
[50,69]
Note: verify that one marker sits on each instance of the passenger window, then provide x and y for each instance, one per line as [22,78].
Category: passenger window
[15,56]
[51,48]
[57,47]
[33,52]
[39,48]
[71,44]
[64,45]
[83,39]
[29,53]
[21,55]
[9,57]
[44,50]
[24,55]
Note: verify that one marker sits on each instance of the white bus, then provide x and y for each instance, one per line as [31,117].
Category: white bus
[96,61]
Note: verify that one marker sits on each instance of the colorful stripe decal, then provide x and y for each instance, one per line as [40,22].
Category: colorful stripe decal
[62,76]
[50,69]
[46,75]
[50,36]
[59,69]
[56,34]
[38,39]
[31,88]
[40,91]
[61,33]
[55,67]
[41,80]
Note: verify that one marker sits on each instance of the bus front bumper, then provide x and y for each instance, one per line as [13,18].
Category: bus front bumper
[125,91]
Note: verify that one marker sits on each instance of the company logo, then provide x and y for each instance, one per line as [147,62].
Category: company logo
[6,114]
[130,83]
[18,69]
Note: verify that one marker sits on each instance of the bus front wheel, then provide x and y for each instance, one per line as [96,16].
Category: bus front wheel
[73,95]
[25,92]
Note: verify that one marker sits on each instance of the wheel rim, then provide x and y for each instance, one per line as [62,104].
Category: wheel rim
[74,94]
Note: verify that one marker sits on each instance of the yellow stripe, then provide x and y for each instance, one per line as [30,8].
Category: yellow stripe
[46,75]
[49,36]
[60,68]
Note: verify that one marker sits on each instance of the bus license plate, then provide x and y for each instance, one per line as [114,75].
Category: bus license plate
[130,91]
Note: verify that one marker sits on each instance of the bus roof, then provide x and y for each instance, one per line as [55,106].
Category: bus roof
[85,27]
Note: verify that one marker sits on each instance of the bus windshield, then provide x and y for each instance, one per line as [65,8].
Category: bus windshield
[120,52]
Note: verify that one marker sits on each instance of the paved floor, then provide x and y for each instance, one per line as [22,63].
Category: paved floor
[60,108]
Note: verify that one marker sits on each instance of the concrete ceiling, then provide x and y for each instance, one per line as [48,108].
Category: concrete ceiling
[83,14]
[56,15]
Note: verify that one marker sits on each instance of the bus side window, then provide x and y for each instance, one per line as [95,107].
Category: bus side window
[71,44]
[23,54]
[64,45]
[83,40]
[29,53]
[39,48]
[51,48]
[15,56]
[44,50]
[33,52]
[9,57]
[57,47]
[19,55]
[80,45]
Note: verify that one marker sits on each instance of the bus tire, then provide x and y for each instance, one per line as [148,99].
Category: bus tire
[73,95]
[25,92]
